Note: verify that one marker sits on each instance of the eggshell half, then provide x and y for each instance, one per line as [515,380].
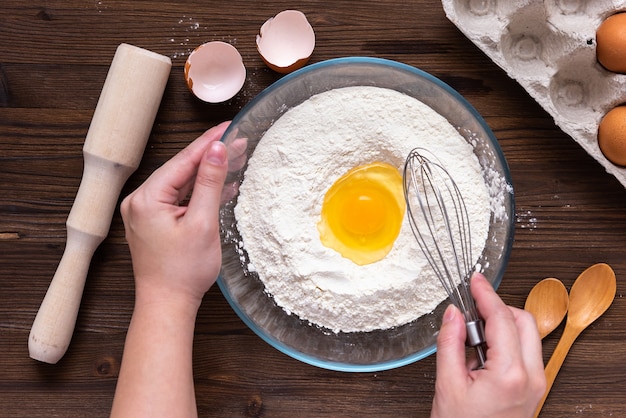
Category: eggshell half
[214,72]
[286,41]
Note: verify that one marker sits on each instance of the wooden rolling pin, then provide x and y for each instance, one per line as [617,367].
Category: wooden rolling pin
[114,145]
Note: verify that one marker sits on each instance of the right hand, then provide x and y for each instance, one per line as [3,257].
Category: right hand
[512,382]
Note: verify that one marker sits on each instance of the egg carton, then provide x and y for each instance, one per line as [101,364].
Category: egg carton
[549,48]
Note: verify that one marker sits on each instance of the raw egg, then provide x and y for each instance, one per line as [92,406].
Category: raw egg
[362,213]
[286,41]
[611,43]
[214,72]
[612,135]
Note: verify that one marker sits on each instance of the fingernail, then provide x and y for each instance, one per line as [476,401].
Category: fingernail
[449,313]
[216,154]
[477,276]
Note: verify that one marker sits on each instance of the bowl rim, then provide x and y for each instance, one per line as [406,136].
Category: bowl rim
[507,247]
[321,363]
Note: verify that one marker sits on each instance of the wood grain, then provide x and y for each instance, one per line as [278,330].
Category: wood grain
[53,60]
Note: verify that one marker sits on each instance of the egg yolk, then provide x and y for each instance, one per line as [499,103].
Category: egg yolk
[362,213]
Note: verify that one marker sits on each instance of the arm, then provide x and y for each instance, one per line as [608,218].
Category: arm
[176,259]
[512,381]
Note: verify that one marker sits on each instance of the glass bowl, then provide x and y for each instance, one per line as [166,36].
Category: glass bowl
[354,351]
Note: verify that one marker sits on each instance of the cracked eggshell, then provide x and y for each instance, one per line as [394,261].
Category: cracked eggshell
[286,41]
[214,72]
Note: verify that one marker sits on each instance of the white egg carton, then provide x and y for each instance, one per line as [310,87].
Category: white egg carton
[549,48]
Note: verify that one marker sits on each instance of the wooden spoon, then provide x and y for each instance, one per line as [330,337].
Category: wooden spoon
[590,296]
[548,302]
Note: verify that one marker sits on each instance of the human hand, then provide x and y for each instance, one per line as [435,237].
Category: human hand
[176,249]
[512,381]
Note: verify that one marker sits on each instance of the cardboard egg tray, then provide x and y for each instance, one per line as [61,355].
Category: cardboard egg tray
[549,48]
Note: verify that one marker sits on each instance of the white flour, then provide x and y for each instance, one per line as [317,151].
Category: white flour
[280,200]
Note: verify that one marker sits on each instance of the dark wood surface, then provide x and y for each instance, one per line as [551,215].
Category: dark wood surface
[54,57]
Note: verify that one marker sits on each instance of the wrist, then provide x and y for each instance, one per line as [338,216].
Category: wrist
[157,369]
[166,302]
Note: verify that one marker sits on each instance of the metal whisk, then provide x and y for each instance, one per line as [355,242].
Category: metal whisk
[440,223]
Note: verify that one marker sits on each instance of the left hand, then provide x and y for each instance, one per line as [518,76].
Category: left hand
[176,249]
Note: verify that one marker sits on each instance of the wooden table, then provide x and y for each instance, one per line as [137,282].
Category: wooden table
[54,57]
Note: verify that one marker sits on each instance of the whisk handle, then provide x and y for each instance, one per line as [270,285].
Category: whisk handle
[476,339]
[475,333]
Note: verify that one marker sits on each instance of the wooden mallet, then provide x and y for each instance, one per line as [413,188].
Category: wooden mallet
[113,148]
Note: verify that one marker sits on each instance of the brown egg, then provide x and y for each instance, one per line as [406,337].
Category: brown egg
[286,41]
[611,43]
[612,135]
